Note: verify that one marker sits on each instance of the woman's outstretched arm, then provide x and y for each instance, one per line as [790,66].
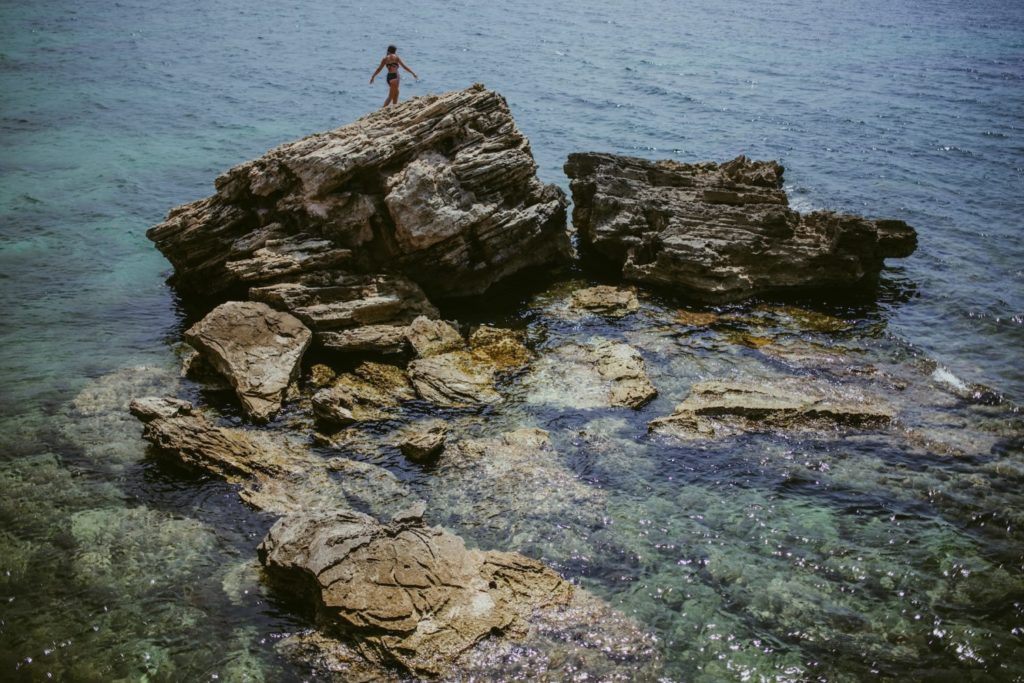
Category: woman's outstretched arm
[402,64]
[378,70]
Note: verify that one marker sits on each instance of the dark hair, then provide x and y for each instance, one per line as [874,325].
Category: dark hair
[392,49]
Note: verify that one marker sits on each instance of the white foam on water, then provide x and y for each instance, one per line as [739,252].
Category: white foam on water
[944,376]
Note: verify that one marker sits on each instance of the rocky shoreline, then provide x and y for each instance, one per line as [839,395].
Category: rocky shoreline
[347,242]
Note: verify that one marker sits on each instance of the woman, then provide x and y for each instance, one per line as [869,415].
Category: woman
[392,61]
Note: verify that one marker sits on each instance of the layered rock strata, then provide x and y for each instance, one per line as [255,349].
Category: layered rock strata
[414,594]
[724,408]
[440,190]
[721,232]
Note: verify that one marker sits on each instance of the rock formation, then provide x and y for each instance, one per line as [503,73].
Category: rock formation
[439,193]
[406,592]
[720,232]
[257,349]
[724,408]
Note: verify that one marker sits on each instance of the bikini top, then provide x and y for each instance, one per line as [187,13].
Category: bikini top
[392,65]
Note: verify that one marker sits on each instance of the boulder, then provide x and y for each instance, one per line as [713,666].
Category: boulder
[456,379]
[720,232]
[433,337]
[724,408]
[406,593]
[440,189]
[424,441]
[339,306]
[370,392]
[257,349]
[605,300]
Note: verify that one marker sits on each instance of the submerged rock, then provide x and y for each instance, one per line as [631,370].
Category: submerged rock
[721,232]
[724,408]
[256,348]
[600,373]
[406,593]
[424,441]
[441,189]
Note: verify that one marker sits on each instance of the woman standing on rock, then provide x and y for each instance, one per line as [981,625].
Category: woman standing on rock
[392,61]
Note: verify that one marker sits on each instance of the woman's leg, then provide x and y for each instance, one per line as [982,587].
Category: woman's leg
[393,92]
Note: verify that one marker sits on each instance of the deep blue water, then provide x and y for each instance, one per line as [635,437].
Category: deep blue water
[112,113]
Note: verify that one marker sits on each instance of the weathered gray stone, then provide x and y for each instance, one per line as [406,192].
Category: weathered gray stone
[720,232]
[256,348]
[423,442]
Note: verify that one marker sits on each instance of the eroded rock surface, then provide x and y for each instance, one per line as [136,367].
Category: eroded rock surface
[466,377]
[441,189]
[370,392]
[407,593]
[724,408]
[605,300]
[273,473]
[721,232]
[256,348]
[599,373]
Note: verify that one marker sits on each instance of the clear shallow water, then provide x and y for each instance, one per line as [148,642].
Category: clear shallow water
[114,113]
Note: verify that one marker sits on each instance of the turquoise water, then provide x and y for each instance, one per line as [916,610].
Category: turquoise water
[114,565]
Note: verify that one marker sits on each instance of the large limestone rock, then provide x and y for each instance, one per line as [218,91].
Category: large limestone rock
[441,189]
[256,348]
[720,232]
[724,408]
[407,593]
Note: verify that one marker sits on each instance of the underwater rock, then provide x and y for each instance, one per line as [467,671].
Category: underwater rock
[600,373]
[442,189]
[509,476]
[724,408]
[370,392]
[406,593]
[433,337]
[499,347]
[606,300]
[256,348]
[721,232]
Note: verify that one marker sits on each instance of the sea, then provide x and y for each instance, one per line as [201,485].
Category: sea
[115,566]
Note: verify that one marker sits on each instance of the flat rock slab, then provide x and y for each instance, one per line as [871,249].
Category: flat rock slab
[257,349]
[406,593]
[721,232]
[597,374]
[725,408]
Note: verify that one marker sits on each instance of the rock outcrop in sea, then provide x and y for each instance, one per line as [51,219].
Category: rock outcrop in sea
[441,190]
[721,232]
[346,242]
